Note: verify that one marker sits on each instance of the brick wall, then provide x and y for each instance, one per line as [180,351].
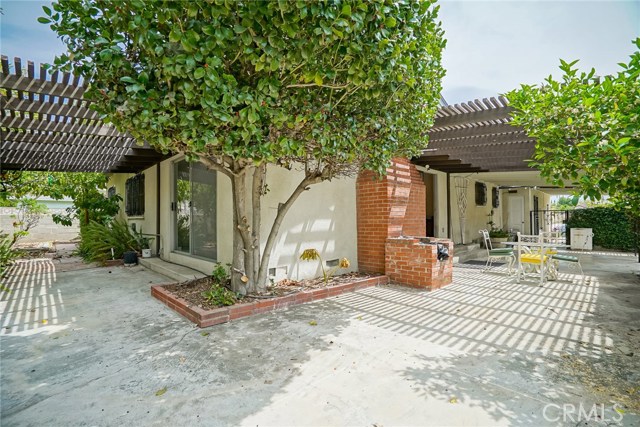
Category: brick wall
[410,262]
[392,206]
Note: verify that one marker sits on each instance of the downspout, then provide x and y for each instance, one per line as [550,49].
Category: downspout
[158,209]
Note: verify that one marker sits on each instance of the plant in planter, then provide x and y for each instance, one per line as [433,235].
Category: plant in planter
[498,237]
[145,244]
[218,294]
[314,255]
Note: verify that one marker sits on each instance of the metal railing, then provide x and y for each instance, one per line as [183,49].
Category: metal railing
[550,220]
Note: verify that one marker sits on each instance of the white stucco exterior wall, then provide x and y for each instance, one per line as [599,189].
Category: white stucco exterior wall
[477,217]
[323,218]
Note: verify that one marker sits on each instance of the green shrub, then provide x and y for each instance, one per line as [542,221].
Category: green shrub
[220,296]
[97,240]
[498,233]
[219,274]
[7,253]
[612,229]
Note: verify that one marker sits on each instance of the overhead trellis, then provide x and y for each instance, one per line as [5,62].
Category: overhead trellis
[476,137]
[46,124]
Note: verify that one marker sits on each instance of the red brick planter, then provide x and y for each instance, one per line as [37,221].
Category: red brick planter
[204,318]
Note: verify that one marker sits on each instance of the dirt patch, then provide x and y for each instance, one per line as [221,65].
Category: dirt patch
[192,290]
[613,379]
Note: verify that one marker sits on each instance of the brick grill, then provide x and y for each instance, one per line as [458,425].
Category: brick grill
[390,208]
[410,262]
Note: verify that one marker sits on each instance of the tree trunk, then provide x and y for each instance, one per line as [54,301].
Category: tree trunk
[249,267]
[242,266]
[283,208]
[257,191]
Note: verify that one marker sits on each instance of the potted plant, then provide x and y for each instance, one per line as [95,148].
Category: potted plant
[144,243]
[498,237]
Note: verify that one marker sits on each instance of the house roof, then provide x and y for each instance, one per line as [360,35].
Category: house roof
[46,124]
[476,137]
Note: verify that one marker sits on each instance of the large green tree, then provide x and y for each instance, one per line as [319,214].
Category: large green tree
[587,129]
[326,87]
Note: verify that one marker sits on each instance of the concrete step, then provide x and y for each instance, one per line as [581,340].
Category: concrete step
[176,272]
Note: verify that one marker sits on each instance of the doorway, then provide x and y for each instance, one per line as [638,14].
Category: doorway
[516,213]
[195,210]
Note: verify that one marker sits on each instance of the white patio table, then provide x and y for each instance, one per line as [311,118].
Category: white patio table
[545,268]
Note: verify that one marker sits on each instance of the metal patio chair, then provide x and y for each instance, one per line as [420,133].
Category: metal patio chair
[496,255]
[535,256]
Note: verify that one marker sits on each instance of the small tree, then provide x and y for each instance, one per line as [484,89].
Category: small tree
[86,190]
[587,130]
[324,87]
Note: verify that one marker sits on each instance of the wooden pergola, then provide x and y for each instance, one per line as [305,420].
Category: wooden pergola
[476,137]
[46,124]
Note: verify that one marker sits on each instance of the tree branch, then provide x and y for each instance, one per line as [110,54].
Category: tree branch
[283,208]
[315,84]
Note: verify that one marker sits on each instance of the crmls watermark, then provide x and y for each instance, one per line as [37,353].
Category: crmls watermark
[569,412]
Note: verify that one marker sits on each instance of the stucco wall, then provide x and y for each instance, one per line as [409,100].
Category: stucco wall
[476,216]
[323,218]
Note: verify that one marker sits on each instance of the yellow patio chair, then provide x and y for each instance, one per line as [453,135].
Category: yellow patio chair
[530,250]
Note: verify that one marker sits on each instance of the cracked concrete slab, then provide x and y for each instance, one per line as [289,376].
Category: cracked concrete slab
[91,347]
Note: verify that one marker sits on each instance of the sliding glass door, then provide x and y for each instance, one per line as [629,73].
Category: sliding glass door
[195,210]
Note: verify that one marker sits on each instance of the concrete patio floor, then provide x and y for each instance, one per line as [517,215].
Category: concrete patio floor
[91,347]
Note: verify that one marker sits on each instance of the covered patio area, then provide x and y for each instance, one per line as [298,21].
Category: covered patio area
[482,351]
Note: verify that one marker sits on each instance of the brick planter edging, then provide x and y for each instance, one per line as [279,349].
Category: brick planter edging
[204,318]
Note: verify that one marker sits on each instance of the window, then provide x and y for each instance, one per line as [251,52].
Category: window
[134,196]
[481,194]
[495,197]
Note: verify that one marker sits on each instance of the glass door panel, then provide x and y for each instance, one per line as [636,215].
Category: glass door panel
[203,211]
[183,207]
[195,210]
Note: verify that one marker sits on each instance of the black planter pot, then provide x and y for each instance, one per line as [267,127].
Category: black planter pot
[130,258]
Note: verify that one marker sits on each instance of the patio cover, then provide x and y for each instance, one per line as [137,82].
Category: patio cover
[46,124]
[476,137]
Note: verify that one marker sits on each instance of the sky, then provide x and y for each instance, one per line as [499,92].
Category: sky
[492,46]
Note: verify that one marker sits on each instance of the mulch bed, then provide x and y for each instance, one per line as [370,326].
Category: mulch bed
[192,290]
[186,298]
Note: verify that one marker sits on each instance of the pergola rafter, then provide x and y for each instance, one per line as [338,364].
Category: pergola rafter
[46,124]
[476,137]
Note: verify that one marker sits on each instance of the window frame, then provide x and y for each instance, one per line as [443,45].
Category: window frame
[134,196]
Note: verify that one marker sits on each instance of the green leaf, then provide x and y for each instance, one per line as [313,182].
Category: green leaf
[346,10]
[390,22]
[318,79]
[44,20]
[569,120]
[199,73]
[161,391]
[175,35]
